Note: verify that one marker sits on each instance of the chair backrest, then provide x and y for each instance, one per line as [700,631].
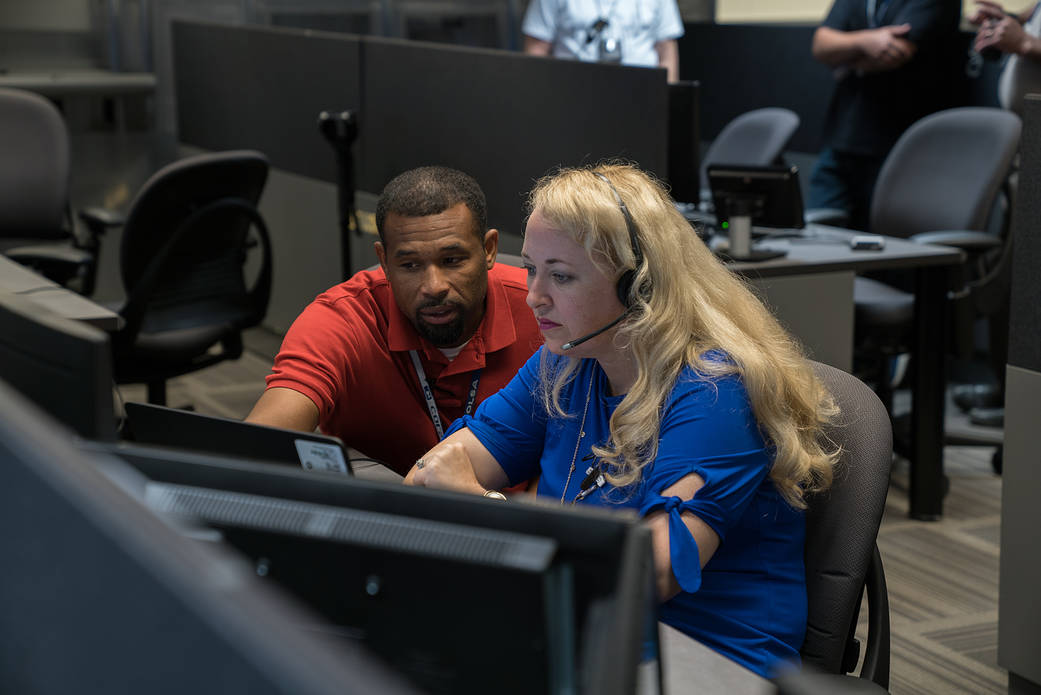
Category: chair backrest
[945,171]
[757,137]
[34,167]
[842,522]
[184,244]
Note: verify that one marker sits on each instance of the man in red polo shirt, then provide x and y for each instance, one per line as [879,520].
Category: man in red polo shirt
[388,359]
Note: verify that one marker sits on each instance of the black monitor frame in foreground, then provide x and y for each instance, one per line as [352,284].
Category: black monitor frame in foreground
[461,594]
[62,365]
[747,195]
[99,595]
[147,423]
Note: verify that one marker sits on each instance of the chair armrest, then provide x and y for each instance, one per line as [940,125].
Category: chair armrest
[49,254]
[876,652]
[830,216]
[962,239]
[100,219]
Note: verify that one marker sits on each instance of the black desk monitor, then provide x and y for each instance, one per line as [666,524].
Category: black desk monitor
[64,366]
[770,195]
[764,196]
[98,595]
[460,593]
[184,429]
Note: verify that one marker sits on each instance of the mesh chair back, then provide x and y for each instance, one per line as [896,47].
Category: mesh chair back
[842,522]
[192,215]
[945,172]
[757,138]
[34,167]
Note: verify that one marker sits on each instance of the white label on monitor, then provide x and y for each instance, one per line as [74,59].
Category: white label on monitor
[316,456]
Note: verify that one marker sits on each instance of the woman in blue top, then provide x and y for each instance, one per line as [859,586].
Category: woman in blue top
[662,371]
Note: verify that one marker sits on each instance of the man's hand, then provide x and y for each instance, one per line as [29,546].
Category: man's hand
[884,48]
[867,50]
[999,31]
[986,10]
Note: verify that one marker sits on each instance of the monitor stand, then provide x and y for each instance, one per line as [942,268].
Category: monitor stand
[741,249]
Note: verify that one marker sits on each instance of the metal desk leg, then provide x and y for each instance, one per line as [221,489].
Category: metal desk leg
[928,393]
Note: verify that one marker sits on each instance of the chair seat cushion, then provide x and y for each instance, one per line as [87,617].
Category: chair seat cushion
[878,305]
[151,351]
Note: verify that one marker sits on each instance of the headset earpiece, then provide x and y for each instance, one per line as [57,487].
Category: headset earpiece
[624,288]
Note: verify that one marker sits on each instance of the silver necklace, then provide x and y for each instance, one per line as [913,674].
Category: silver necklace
[578,442]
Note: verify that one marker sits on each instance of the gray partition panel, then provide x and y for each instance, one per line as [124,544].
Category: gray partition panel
[261,88]
[1024,346]
[504,118]
[749,66]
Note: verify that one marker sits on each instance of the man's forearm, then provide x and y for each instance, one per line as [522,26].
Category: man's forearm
[834,48]
[669,58]
[536,47]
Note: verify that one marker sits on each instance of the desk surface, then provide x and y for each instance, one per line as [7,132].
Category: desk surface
[690,667]
[57,83]
[826,249]
[17,279]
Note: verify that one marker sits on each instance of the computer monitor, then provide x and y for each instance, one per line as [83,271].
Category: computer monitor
[147,423]
[770,195]
[99,595]
[460,593]
[64,366]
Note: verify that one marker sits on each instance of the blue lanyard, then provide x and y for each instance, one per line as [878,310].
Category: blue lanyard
[428,394]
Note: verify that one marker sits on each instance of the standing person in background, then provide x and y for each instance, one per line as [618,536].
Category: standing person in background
[665,377]
[1016,35]
[889,58]
[631,32]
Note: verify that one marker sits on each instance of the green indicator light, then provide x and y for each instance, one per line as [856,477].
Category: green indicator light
[725,225]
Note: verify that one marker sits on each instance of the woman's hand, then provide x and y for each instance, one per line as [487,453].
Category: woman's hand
[459,462]
[447,467]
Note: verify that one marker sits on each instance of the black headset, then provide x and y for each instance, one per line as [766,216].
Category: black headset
[628,278]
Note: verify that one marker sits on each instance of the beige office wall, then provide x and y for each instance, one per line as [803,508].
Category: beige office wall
[755,11]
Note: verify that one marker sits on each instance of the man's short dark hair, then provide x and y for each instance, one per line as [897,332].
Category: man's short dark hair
[429,190]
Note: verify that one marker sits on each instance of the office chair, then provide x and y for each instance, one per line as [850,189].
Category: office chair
[938,185]
[34,193]
[842,558]
[757,137]
[185,264]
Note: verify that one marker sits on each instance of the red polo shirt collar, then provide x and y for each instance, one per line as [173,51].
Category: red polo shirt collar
[496,331]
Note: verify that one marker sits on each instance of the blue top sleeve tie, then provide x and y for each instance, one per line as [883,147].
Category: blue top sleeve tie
[683,549]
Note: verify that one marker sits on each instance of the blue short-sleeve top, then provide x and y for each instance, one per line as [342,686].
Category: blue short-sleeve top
[749,601]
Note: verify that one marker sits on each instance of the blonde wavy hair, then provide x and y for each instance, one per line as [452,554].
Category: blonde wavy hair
[685,303]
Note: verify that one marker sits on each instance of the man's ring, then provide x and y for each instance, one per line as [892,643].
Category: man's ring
[420,463]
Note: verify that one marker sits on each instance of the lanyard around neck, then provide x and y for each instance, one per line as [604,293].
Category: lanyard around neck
[428,394]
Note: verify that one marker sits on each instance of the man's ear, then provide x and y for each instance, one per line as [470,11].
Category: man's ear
[491,246]
[381,254]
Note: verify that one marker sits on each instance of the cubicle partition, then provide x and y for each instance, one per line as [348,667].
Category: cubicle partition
[504,118]
[1019,614]
[257,88]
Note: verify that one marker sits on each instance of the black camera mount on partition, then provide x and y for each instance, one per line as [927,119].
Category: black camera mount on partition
[340,130]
